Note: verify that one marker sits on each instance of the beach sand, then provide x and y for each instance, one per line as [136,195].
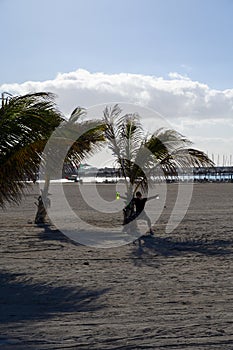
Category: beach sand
[176,292]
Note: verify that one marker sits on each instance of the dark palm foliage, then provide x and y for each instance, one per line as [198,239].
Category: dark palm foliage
[141,157]
[72,141]
[26,122]
[88,136]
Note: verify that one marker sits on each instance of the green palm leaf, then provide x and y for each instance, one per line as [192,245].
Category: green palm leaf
[141,157]
[26,122]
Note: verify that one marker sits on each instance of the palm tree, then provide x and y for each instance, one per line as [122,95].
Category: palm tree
[26,122]
[142,157]
[71,142]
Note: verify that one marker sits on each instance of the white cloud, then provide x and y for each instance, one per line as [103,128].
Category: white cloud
[190,106]
[175,75]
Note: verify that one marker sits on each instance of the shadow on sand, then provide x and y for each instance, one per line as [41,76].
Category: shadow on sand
[148,246]
[49,233]
[23,300]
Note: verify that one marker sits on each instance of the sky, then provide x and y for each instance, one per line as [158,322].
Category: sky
[172,56]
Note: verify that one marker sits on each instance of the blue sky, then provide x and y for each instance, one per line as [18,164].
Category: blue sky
[174,56]
[155,37]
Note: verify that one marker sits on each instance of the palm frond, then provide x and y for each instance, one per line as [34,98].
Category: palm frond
[141,157]
[77,113]
[26,122]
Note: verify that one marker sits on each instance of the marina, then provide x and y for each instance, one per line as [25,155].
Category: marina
[111,175]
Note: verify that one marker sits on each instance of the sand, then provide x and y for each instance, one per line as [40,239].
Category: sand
[176,292]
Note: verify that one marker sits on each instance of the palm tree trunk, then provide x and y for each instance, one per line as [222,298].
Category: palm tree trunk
[43,203]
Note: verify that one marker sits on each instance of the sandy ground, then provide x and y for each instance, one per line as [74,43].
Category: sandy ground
[174,293]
